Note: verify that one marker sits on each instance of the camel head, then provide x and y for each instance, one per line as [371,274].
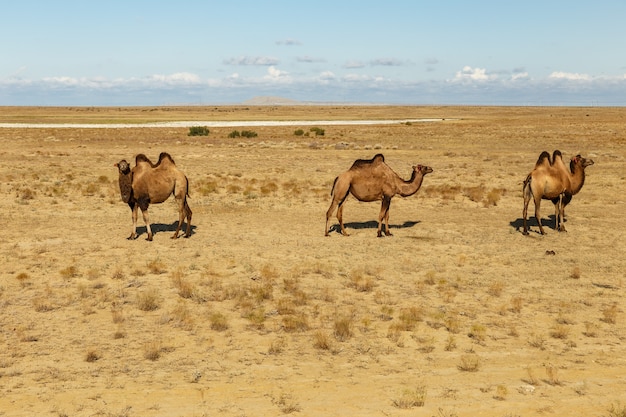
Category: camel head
[124,167]
[423,169]
[579,160]
[125,180]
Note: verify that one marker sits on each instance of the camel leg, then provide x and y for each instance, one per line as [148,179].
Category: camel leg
[526,192]
[561,218]
[133,234]
[387,232]
[538,216]
[189,213]
[337,202]
[181,216]
[340,218]
[329,213]
[384,210]
[146,219]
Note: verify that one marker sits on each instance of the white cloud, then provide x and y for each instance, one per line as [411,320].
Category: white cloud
[252,60]
[356,77]
[177,78]
[289,42]
[387,62]
[309,59]
[520,76]
[560,75]
[354,64]
[470,86]
[473,74]
[275,74]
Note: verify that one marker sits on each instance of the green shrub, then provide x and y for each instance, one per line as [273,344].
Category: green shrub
[299,132]
[198,131]
[318,131]
[248,134]
[234,134]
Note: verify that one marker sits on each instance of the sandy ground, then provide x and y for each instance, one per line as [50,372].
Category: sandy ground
[258,313]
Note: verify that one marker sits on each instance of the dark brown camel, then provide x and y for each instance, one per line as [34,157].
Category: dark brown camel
[372,180]
[149,183]
[551,180]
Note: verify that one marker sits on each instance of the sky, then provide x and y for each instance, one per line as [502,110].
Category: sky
[413,52]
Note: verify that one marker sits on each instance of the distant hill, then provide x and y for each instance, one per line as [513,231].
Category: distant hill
[270,100]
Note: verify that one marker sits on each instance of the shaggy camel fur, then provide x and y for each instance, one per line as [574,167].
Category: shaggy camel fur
[372,180]
[149,183]
[551,180]
[576,163]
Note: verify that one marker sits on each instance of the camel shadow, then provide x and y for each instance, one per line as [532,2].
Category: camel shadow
[518,223]
[161,227]
[372,224]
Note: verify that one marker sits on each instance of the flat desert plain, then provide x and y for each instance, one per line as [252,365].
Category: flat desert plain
[259,314]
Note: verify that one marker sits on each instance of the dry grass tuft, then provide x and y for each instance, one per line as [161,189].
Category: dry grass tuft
[478,332]
[342,328]
[537,340]
[616,410]
[152,350]
[92,355]
[560,331]
[609,314]
[42,304]
[69,272]
[156,266]
[360,281]
[469,363]
[321,340]
[501,392]
[218,321]
[552,373]
[411,398]
[286,404]
[277,346]
[185,288]
[23,279]
[516,304]
[495,288]
[295,322]
[148,300]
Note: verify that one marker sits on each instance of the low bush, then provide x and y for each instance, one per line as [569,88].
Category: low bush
[198,131]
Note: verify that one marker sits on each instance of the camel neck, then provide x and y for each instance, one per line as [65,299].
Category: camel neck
[578,178]
[410,187]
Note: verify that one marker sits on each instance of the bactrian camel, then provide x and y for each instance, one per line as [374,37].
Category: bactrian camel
[147,183]
[551,180]
[372,180]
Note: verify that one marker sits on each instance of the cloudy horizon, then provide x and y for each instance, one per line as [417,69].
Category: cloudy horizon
[423,54]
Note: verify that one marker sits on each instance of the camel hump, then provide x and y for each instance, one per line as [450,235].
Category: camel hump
[142,158]
[377,159]
[556,155]
[543,158]
[165,156]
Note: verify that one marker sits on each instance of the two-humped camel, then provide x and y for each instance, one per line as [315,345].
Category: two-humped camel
[149,183]
[372,180]
[551,180]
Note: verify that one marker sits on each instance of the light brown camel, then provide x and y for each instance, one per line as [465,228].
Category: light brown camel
[372,180]
[551,180]
[149,183]
[576,163]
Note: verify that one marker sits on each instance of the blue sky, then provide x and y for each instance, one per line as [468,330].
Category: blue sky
[388,52]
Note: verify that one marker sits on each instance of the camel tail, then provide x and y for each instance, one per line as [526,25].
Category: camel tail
[332,191]
[527,184]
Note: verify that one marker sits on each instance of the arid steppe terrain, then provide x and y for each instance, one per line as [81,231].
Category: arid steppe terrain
[259,314]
